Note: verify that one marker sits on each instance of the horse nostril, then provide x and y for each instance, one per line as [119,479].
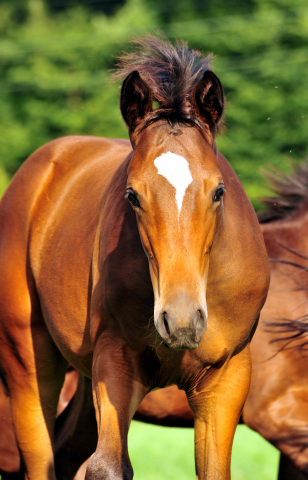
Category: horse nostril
[199,322]
[166,324]
[198,316]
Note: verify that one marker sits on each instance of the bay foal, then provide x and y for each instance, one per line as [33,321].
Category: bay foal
[141,263]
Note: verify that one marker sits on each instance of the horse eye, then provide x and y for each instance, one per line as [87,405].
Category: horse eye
[218,194]
[133,200]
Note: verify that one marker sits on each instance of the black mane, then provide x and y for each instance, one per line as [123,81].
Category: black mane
[170,71]
[290,193]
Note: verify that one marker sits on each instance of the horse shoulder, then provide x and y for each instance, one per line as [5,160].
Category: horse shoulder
[53,206]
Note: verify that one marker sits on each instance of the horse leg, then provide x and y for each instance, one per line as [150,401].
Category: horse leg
[33,371]
[75,432]
[117,392]
[10,466]
[288,471]
[217,399]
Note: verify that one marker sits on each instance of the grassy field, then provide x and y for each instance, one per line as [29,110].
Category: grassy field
[159,453]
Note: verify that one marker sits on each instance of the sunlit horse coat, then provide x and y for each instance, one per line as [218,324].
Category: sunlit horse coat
[139,271]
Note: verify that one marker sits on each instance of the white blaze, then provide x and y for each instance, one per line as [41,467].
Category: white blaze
[176,170]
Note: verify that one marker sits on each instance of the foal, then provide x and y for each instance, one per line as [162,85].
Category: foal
[141,263]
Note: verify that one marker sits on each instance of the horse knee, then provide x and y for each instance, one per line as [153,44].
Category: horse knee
[100,467]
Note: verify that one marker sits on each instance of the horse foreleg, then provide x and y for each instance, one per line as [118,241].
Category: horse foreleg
[33,372]
[217,400]
[117,393]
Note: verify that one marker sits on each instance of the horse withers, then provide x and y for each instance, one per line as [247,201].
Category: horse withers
[142,264]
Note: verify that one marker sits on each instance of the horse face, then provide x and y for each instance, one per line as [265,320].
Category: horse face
[176,188]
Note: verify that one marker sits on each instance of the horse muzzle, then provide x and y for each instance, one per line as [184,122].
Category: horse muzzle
[182,330]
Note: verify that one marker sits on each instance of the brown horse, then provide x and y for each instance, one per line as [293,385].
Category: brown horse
[161,287]
[277,405]
[278,371]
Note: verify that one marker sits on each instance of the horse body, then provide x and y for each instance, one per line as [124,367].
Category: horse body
[82,273]
[65,304]
[276,406]
[277,402]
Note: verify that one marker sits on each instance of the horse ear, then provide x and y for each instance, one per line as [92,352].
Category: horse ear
[208,99]
[136,100]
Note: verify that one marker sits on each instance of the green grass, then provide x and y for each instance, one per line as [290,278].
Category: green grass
[159,453]
[253,457]
[168,454]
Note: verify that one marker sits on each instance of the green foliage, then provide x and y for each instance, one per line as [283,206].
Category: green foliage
[261,61]
[55,72]
[55,77]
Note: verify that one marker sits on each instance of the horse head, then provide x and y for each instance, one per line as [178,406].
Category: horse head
[176,189]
